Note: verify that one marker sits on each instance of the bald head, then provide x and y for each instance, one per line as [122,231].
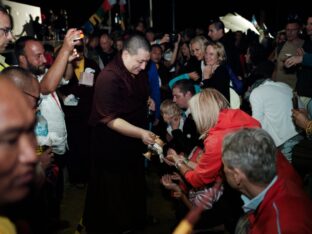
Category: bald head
[25,81]
[17,143]
[12,102]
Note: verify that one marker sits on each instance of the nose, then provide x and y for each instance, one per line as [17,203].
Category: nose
[43,59]
[10,36]
[27,151]
[143,65]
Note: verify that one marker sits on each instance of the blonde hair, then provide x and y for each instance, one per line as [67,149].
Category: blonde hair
[170,108]
[201,41]
[219,48]
[205,108]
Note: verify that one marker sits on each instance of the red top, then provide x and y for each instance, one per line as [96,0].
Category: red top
[210,164]
[286,208]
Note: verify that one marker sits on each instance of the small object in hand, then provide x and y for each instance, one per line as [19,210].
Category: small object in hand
[156,148]
[81,36]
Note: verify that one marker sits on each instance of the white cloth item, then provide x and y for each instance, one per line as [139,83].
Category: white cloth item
[44,140]
[51,109]
[86,79]
[235,99]
[89,70]
[271,105]
[71,100]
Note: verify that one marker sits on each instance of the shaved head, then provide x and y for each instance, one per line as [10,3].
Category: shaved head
[25,81]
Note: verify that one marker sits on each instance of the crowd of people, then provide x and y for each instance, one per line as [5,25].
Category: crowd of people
[94,105]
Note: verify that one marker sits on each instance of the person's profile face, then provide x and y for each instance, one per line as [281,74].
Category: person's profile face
[5,31]
[17,148]
[229,176]
[179,98]
[185,50]
[156,54]
[137,62]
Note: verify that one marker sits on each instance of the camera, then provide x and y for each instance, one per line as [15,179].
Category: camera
[173,37]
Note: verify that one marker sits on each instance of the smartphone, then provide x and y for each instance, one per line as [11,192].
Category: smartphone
[295,100]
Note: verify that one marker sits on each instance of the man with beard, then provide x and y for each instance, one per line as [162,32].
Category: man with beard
[29,53]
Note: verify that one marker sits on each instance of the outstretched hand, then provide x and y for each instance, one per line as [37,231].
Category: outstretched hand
[74,55]
[168,183]
[148,137]
[176,176]
[300,117]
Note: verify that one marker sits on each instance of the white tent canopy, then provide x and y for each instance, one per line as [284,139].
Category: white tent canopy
[236,22]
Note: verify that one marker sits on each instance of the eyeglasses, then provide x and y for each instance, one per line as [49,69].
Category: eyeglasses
[38,99]
[6,31]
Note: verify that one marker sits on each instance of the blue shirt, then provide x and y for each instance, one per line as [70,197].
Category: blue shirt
[252,204]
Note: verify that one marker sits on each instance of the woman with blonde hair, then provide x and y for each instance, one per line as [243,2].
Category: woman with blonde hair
[215,72]
[169,111]
[197,46]
[214,120]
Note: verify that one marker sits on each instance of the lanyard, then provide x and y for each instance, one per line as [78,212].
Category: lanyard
[56,100]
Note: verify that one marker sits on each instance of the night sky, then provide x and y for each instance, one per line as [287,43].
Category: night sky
[188,13]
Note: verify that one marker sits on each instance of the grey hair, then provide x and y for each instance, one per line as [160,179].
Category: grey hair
[136,42]
[253,151]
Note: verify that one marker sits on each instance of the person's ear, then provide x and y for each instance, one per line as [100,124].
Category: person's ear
[238,176]
[188,94]
[22,59]
[125,54]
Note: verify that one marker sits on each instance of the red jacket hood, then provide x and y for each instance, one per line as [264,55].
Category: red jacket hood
[235,119]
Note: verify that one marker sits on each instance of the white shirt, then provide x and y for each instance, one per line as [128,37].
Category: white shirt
[51,109]
[271,104]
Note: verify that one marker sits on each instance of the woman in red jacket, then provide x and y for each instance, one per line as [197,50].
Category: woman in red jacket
[214,120]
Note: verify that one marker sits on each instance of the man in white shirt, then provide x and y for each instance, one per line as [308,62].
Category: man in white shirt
[271,104]
[29,53]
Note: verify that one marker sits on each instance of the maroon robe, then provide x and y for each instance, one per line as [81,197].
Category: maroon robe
[115,199]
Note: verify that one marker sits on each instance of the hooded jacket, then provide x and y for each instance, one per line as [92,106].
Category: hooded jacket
[210,164]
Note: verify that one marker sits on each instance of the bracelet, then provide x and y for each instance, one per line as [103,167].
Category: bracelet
[308,129]
[186,160]
[178,163]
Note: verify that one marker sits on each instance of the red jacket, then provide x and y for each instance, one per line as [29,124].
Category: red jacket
[286,208]
[210,164]
[286,171]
